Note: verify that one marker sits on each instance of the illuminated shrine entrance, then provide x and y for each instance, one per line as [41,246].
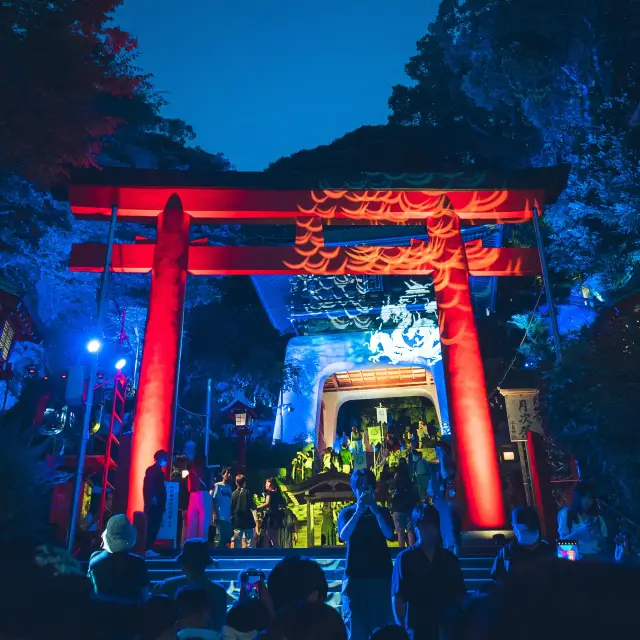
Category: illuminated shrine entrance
[326,362]
[377,386]
[174,201]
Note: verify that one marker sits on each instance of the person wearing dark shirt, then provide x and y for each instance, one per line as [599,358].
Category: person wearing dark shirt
[274,511]
[242,519]
[403,499]
[114,571]
[155,498]
[194,561]
[527,549]
[428,587]
[365,528]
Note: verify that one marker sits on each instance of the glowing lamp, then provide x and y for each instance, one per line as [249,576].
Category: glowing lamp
[121,364]
[93,346]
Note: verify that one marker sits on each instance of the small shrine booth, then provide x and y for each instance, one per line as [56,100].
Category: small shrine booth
[322,489]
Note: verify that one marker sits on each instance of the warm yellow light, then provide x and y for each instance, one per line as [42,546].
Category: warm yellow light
[508,456]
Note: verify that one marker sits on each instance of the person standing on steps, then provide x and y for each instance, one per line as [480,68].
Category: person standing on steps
[154,494]
[428,586]
[273,507]
[222,494]
[200,509]
[365,527]
[242,518]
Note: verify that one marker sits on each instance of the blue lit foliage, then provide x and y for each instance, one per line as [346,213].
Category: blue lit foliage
[37,232]
[544,86]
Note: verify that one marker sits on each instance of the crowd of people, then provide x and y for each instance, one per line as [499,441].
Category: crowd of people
[225,511]
[422,596]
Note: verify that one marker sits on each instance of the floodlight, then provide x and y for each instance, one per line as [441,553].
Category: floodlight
[93,346]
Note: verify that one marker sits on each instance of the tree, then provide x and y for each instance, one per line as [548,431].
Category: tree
[63,66]
[437,103]
[590,403]
[232,342]
[559,81]
[102,111]
[569,74]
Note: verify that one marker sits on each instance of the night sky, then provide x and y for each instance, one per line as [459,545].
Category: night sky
[260,79]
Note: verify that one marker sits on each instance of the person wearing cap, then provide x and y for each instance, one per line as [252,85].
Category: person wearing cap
[116,572]
[527,548]
[155,498]
[194,560]
[428,588]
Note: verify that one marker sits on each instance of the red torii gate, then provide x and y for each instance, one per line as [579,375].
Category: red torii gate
[443,202]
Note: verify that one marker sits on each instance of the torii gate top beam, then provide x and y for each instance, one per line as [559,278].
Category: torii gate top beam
[223,197]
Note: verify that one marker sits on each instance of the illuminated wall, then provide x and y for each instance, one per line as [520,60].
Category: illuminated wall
[317,357]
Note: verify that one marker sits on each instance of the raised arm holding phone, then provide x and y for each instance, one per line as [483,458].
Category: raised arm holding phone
[365,527]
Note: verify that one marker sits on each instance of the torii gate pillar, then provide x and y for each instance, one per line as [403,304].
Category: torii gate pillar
[474,442]
[160,368]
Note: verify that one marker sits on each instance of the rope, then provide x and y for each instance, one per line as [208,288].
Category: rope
[193,413]
[524,337]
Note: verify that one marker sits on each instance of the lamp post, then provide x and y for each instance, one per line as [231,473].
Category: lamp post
[242,430]
[94,348]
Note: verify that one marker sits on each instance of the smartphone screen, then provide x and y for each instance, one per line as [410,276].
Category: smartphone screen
[568,550]
[252,586]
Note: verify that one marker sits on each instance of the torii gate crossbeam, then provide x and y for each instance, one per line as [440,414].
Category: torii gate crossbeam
[177,203]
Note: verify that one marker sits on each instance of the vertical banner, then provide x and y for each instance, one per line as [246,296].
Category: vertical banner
[523,413]
[359,460]
[169,526]
[381,414]
[375,435]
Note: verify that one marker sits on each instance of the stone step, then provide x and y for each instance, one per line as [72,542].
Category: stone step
[229,563]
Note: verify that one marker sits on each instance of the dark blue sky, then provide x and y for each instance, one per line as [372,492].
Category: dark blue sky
[259,79]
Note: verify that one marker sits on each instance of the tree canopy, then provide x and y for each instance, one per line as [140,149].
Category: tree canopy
[68,65]
[77,100]
[555,83]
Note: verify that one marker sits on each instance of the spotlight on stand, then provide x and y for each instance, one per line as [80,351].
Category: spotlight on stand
[121,364]
[93,346]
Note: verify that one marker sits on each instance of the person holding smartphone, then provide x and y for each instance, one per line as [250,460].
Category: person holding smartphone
[253,611]
[365,527]
[582,522]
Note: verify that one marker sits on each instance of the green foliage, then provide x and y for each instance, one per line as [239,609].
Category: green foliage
[590,402]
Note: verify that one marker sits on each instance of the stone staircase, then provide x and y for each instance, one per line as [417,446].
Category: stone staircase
[476,566]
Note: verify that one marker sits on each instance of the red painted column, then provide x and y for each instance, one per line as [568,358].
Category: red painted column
[157,389]
[471,427]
